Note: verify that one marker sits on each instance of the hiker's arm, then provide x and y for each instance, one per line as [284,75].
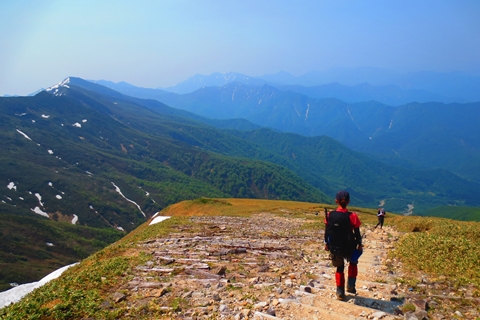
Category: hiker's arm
[325,238]
[358,237]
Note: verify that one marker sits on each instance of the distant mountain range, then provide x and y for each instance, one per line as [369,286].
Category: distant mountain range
[81,156]
[431,135]
[393,88]
[128,128]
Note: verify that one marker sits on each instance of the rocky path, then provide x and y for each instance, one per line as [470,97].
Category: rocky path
[262,267]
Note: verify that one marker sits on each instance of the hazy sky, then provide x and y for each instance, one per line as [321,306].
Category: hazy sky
[159,43]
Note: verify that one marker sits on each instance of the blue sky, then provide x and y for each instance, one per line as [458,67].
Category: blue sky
[163,42]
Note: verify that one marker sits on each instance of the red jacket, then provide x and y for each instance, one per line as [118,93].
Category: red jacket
[354,220]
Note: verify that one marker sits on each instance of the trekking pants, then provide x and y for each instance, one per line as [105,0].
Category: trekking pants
[338,261]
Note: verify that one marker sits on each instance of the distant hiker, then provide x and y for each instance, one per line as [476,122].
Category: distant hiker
[381,217]
[344,241]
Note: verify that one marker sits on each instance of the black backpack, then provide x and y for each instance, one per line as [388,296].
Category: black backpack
[339,234]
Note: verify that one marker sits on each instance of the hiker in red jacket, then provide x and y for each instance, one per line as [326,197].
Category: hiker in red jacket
[344,241]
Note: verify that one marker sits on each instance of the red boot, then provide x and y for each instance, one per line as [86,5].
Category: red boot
[340,281]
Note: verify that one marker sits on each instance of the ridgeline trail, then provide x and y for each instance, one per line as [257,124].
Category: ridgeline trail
[266,266]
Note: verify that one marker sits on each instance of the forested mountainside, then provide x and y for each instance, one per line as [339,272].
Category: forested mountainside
[443,134]
[328,165]
[80,155]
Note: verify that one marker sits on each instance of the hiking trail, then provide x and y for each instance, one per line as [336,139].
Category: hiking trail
[265,266]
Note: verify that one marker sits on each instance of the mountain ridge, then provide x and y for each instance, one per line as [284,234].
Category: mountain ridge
[260,258]
[85,154]
[447,86]
[369,127]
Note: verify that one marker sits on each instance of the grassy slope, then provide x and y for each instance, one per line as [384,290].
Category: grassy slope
[25,255]
[440,247]
[156,154]
[100,274]
[456,213]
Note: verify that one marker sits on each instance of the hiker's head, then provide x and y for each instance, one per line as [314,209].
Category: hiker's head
[342,198]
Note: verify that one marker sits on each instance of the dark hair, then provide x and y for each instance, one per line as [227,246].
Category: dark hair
[343,196]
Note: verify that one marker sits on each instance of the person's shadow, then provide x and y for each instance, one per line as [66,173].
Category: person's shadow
[391,306]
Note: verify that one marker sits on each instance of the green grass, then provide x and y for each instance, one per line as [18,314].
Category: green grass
[76,295]
[25,256]
[440,247]
[456,213]
[82,289]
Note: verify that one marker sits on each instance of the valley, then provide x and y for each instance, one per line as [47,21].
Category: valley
[80,155]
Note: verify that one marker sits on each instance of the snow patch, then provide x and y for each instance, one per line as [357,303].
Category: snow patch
[59,197]
[76,124]
[158,219]
[120,193]
[75,219]
[39,211]
[39,197]
[50,151]
[120,228]
[55,87]
[11,186]
[18,292]
[23,134]
[296,111]
[49,244]
[45,116]
[84,120]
